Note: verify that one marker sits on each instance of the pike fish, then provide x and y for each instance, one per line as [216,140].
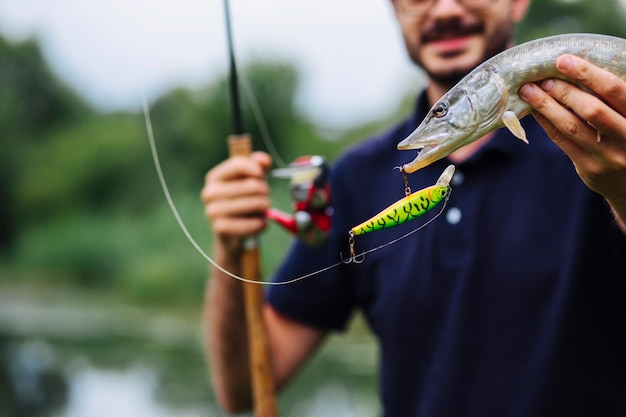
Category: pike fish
[487,98]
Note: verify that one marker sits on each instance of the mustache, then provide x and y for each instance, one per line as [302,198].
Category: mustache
[442,30]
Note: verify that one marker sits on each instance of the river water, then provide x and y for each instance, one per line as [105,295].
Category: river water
[86,358]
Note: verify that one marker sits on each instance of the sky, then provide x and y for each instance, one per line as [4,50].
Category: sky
[349,52]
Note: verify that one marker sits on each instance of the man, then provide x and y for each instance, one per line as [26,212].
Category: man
[510,304]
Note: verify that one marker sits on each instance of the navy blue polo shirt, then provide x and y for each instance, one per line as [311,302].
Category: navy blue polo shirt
[510,303]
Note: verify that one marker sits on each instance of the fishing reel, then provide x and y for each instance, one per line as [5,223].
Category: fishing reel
[308,185]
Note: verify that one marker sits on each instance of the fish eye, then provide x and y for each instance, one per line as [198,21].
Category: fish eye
[440,110]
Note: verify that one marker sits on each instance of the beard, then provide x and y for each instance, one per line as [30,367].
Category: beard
[497,42]
[448,79]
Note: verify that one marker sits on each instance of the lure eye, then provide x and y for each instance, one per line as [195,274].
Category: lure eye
[440,110]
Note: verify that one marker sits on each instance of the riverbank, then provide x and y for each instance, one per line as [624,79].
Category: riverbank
[94,345]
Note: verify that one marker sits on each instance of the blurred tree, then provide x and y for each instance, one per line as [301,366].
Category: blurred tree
[192,127]
[32,101]
[551,17]
[80,185]
[93,165]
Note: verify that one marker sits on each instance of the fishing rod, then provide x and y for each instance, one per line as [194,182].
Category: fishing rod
[240,144]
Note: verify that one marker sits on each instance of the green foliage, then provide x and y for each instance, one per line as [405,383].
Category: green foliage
[85,200]
[95,164]
[32,103]
[552,17]
[32,99]
[81,203]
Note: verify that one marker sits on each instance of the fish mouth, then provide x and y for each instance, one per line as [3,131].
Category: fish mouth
[432,148]
[414,141]
[426,156]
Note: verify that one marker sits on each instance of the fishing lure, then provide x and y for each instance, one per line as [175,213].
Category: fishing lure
[444,181]
[412,206]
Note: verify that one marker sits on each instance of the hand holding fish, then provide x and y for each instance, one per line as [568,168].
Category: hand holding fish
[590,129]
[489,98]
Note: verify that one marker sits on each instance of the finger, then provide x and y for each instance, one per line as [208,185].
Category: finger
[237,176]
[238,217]
[234,167]
[246,206]
[263,159]
[602,118]
[236,188]
[600,165]
[558,122]
[605,84]
[239,227]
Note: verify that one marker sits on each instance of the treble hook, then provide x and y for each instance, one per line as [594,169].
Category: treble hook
[357,259]
[407,187]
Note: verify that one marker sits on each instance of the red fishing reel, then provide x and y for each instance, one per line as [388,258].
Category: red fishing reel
[311,218]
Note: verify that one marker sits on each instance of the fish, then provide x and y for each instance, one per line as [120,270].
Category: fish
[487,98]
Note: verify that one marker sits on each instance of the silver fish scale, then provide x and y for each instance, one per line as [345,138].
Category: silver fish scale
[534,60]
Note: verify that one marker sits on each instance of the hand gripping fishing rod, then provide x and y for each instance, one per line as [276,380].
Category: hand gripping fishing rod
[239,144]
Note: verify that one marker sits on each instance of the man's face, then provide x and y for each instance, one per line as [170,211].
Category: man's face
[449,38]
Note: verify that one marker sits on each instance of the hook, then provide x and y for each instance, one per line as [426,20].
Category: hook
[353,257]
[407,187]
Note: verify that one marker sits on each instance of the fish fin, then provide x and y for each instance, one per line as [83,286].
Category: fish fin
[510,120]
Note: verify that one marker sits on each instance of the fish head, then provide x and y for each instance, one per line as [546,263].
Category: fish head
[464,114]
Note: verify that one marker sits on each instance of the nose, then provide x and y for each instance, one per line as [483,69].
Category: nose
[444,9]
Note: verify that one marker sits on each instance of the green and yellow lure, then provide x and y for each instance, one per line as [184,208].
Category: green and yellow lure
[410,207]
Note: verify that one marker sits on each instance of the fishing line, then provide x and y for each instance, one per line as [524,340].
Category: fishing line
[391,242]
[260,120]
[181,224]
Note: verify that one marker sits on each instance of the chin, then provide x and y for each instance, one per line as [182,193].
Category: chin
[451,68]
[450,73]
